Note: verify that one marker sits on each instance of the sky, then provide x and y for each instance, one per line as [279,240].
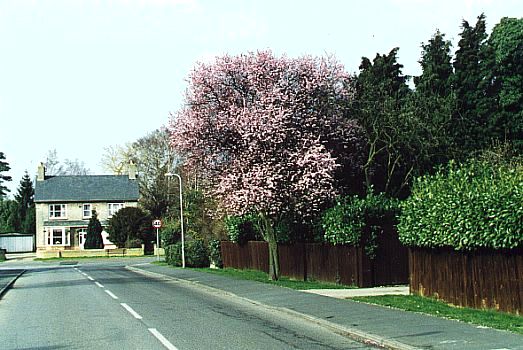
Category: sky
[78,76]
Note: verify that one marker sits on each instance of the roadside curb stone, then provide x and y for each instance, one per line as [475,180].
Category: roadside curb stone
[7,281]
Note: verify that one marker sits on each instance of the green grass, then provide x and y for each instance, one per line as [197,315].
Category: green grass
[260,276]
[487,318]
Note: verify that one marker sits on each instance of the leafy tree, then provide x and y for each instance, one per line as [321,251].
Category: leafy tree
[4,166]
[506,41]
[381,93]
[431,107]
[8,216]
[261,130]
[474,87]
[93,239]
[129,224]
[25,202]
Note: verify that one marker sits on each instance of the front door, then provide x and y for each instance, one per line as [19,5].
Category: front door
[81,237]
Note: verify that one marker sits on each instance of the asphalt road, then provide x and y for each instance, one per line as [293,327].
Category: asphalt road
[100,305]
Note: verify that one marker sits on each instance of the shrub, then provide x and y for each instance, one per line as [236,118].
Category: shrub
[241,229]
[215,253]
[359,221]
[93,239]
[478,204]
[128,225]
[196,254]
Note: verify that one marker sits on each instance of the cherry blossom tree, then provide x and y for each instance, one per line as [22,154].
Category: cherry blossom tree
[271,135]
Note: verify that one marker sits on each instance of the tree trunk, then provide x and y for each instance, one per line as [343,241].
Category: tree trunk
[266,226]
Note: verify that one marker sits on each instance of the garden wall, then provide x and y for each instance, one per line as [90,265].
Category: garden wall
[481,279]
[325,262]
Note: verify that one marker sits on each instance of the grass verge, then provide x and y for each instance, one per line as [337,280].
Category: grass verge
[487,318]
[260,276]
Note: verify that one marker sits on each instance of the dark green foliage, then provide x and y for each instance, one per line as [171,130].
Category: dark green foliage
[469,206]
[26,206]
[196,254]
[9,220]
[128,226]
[474,88]
[381,93]
[4,166]
[170,232]
[359,221]
[506,41]
[215,253]
[241,229]
[93,239]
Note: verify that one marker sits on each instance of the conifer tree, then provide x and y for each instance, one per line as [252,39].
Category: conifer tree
[4,166]
[93,239]
[25,205]
[474,87]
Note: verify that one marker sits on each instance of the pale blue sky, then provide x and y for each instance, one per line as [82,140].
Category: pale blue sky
[78,76]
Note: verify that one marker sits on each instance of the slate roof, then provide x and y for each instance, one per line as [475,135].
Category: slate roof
[86,188]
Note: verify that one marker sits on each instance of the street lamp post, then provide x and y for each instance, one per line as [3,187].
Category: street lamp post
[181,217]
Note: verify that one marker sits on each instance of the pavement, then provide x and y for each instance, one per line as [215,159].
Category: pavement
[371,324]
[385,327]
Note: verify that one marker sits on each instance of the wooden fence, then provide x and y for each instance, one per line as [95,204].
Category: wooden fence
[325,262]
[480,279]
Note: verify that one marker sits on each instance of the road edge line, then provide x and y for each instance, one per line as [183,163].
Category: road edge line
[355,334]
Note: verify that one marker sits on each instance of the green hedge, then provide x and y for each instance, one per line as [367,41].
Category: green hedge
[476,205]
[196,254]
[359,221]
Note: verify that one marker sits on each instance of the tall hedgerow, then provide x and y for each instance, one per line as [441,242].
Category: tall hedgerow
[475,205]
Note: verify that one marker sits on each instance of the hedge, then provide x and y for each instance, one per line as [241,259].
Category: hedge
[354,220]
[475,205]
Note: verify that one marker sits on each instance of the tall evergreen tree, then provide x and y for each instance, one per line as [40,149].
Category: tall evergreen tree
[381,93]
[8,216]
[474,86]
[4,166]
[25,203]
[433,103]
[506,41]
[93,239]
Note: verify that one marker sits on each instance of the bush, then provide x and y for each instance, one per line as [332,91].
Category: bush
[478,204]
[196,254]
[215,253]
[128,225]
[241,229]
[359,221]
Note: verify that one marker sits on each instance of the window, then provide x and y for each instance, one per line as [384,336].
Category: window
[86,211]
[57,236]
[114,207]
[57,211]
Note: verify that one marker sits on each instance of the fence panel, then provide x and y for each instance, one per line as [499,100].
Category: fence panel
[481,279]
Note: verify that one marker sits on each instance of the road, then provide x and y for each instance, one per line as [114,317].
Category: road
[104,305]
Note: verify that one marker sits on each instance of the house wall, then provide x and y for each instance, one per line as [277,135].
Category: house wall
[74,216]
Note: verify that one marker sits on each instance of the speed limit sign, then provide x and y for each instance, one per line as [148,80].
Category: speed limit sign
[157,223]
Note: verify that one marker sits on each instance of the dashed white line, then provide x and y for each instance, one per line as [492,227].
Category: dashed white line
[99,284]
[90,278]
[111,294]
[131,311]
[162,339]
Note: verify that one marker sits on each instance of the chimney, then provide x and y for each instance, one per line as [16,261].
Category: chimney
[132,171]
[41,172]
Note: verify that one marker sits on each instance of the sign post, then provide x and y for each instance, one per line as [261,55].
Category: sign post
[157,224]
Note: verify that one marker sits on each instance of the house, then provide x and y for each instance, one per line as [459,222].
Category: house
[64,205]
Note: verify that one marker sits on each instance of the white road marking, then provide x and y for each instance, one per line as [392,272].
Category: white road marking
[83,273]
[131,311]
[99,284]
[90,278]
[111,294]
[162,339]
